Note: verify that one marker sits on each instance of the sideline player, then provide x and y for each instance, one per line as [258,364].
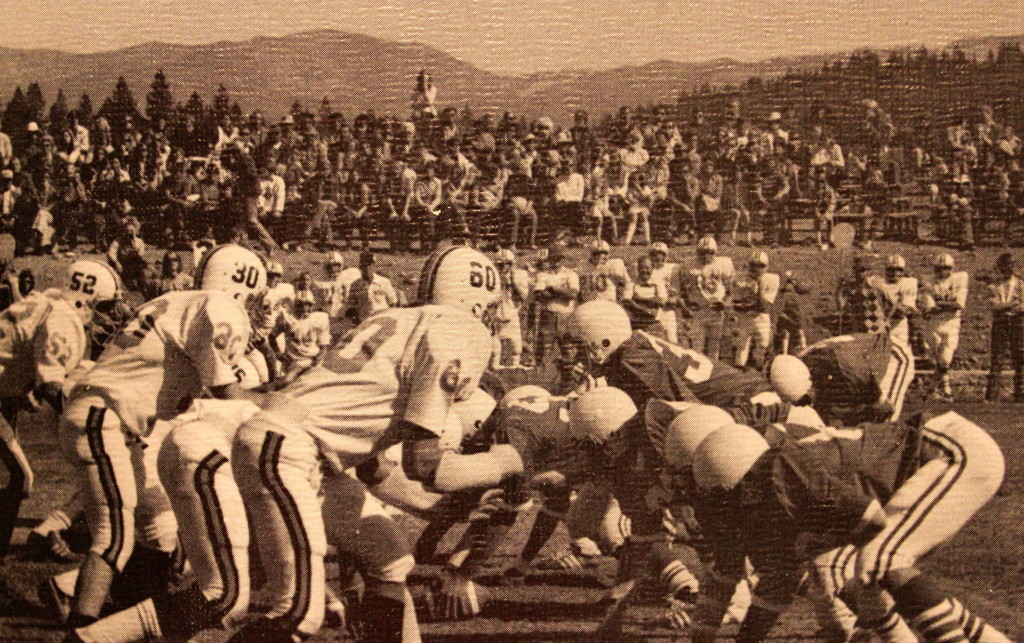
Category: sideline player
[607,279]
[890,492]
[668,275]
[898,297]
[42,339]
[943,302]
[706,287]
[177,346]
[307,334]
[753,299]
[390,380]
[849,378]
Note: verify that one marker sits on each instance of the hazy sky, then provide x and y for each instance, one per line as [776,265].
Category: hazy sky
[524,35]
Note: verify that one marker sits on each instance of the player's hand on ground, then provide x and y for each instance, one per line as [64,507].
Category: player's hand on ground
[679,614]
[459,598]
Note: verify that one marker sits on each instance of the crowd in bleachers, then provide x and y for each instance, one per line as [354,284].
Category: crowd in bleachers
[404,183]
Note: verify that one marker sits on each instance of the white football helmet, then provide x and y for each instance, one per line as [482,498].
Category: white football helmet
[460,277]
[91,283]
[233,269]
[599,413]
[602,326]
[474,411]
[725,456]
[689,429]
[790,377]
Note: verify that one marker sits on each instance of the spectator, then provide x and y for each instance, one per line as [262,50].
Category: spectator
[425,206]
[709,205]
[515,290]
[1006,294]
[127,254]
[638,202]
[369,294]
[790,337]
[245,196]
[172,275]
[567,212]
[518,196]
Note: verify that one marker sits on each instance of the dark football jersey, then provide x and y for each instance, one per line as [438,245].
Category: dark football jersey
[846,370]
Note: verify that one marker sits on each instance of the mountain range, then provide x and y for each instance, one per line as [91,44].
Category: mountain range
[359,72]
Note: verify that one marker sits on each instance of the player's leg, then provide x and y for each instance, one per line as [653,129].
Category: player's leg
[277,469]
[927,510]
[763,339]
[949,336]
[19,475]
[898,375]
[364,535]
[744,338]
[47,539]
[94,436]
[195,470]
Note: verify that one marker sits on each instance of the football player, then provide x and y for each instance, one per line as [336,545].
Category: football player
[391,379]
[515,290]
[706,285]
[898,297]
[607,279]
[848,379]
[307,335]
[944,299]
[753,300]
[668,275]
[42,339]
[177,346]
[195,470]
[888,492]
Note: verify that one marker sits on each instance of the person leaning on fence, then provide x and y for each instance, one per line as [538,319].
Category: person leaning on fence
[1006,294]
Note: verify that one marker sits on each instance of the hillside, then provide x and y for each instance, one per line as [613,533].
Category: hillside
[359,72]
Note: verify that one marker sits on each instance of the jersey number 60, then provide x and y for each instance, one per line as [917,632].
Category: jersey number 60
[480,276]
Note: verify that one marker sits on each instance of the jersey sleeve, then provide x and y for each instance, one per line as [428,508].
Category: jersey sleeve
[323,330]
[447,365]
[960,286]
[769,288]
[216,338]
[59,347]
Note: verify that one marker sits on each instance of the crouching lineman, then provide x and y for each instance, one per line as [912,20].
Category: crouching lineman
[889,493]
[944,299]
[849,378]
[195,470]
[176,346]
[391,379]
[42,339]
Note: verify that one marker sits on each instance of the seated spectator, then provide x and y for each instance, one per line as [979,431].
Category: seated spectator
[567,211]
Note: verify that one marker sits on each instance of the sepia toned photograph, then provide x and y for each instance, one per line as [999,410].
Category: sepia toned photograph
[527,321]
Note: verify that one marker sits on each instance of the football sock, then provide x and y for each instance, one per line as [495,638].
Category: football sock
[137,623]
[975,627]
[928,611]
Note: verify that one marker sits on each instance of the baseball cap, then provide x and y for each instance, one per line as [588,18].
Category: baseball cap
[896,261]
[708,243]
[275,268]
[943,260]
[659,246]
[759,258]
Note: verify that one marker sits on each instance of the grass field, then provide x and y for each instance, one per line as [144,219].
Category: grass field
[983,565]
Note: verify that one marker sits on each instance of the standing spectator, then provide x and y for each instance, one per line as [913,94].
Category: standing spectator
[638,203]
[598,204]
[397,199]
[426,203]
[6,151]
[1006,293]
[709,205]
[369,294]
[272,193]
[127,254]
[172,275]
[825,201]
[772,197]
[307,334]
[683,192]
[706,290]
[789,324]
[245,196]
[181,193]
[555,290]
[753,299]
[943,300]
[210,204]
[644,299]
[667,274]
[515,290]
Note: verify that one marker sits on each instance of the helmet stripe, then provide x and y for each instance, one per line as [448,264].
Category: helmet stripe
[429,274]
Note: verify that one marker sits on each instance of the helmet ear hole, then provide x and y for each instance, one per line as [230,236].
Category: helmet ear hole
[605,343]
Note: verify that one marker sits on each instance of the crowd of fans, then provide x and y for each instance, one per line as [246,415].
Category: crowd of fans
[646,175]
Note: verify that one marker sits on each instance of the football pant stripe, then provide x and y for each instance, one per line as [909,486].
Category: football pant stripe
[217,529]
[269,462]
[920,509]
[900,381]
[837,569]
[111,492]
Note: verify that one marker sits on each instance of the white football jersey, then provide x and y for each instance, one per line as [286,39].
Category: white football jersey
[903,292]
[607,281]
[750,290]
[710,283]
[277,301]
[307,336]
[42,339]
[401,364]
[332,295]
[667,274]
[175,346]
[949,290]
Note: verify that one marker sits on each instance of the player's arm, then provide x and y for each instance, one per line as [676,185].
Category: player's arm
[215,339]
[58,348]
